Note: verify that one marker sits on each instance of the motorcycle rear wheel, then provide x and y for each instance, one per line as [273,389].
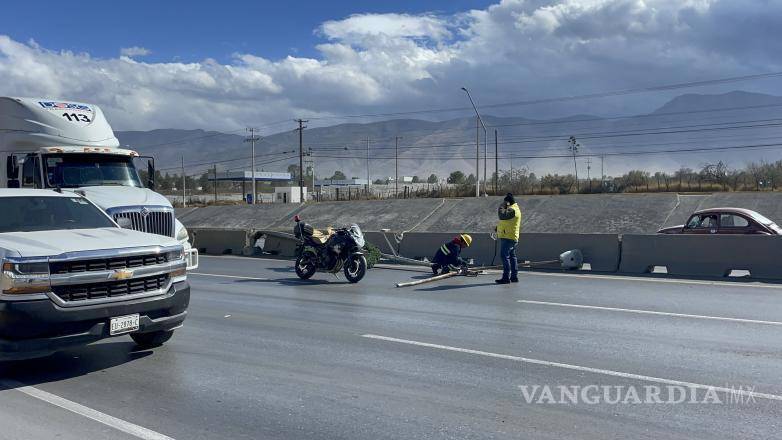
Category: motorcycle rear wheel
[355,268]
[305,267]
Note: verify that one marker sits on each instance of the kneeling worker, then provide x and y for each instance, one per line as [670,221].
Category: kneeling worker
[448,255]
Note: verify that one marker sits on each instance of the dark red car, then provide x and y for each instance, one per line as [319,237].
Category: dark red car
[725,221]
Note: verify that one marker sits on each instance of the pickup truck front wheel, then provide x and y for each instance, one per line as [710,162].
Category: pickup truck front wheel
[152,339]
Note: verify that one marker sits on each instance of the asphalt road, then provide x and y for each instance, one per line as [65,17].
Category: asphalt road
[264,355]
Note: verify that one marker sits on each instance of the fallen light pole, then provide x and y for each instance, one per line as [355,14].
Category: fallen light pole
[570,260]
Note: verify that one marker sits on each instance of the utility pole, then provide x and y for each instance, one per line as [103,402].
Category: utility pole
[396,155]
[573,147]
[252,140]
[301,159]
[184,203]
[602,171]
[368,181]
[589,167]
[215,183]
[496,164]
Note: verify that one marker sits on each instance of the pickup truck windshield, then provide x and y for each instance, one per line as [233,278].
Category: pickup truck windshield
[75,170]
[26,214]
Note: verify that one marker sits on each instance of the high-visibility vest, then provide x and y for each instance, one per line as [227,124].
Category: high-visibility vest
[510,229]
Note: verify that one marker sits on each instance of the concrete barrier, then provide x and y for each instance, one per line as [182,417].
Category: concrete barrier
[220,241]
[705,256]
[601,251]
[385,241]
[278,243]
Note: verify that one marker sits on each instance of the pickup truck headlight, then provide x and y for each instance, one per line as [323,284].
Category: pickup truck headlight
[24,278]
[176,255]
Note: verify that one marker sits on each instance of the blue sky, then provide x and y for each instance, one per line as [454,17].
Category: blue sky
[194,30]
[225,65]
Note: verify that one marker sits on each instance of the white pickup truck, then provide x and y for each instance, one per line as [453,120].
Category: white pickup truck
[72,276]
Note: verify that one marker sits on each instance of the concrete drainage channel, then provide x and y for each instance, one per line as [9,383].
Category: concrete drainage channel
[755,257]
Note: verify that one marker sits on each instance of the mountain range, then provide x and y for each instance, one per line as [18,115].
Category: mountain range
[690,130]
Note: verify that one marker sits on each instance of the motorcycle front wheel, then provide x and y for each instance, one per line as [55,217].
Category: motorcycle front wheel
[355,268]
[305,266]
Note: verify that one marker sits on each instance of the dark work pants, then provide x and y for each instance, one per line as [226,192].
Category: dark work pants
[508,254]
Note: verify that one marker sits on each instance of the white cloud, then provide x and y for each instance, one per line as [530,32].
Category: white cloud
[368,63]
[134,51]
[357,27]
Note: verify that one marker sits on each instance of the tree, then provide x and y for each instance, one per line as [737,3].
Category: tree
[416,179]
[205,183]
[432,179]
[294,171]
[470,180]
[456,178]
[339,175]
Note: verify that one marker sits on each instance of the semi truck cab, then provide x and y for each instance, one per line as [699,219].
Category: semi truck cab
[70,146]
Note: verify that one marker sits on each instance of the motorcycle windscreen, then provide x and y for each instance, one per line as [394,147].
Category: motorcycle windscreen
[356,235]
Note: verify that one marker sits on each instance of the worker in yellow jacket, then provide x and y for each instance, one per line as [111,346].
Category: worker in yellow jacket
[508,229]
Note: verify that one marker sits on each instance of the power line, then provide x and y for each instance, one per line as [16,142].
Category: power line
[698,128]
[618,153]
[665,87]
[211,162]
[650,115]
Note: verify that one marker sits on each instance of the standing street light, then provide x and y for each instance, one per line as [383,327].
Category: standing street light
[477,149]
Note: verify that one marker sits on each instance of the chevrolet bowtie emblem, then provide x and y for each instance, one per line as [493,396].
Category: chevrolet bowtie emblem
[121,274]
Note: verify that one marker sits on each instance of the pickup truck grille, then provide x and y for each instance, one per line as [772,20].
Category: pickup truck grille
[107,263]
[155,221]
[110,289]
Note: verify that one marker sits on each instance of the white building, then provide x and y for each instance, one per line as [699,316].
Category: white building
[289,194]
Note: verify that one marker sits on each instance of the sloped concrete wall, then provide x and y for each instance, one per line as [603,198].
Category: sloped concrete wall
[585,214]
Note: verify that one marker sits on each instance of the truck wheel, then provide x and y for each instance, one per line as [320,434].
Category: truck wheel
[355,268]
[153,339]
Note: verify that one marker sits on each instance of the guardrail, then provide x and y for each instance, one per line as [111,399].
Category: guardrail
[681,255]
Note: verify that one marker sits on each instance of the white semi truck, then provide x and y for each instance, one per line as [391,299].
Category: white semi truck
[70,146]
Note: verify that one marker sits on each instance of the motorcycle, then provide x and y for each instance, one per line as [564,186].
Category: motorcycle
[342,250]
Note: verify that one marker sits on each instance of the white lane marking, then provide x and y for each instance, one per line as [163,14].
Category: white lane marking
[743,391]
[228,276]
[113,422]
[738,284]
[650,312]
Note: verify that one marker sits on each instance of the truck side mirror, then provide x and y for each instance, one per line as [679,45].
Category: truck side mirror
[151,174]
[12,171]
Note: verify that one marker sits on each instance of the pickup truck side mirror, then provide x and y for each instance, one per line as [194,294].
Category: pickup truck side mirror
[12,171]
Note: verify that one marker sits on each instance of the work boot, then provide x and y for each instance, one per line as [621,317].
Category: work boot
[502,281]
[514,279]
[435,268]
